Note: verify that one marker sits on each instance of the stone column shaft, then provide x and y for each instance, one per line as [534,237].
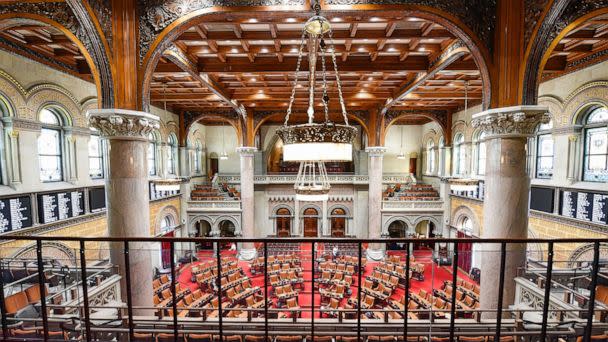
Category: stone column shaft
[506,195]
[247,201]
[375,199]
[127,198]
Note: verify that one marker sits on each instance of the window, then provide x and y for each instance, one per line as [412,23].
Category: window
[596,146]
[95,155]
[430,151]
[152,155]
[481,153]
[166,224]
[50,155]
[172,156]
[544,151]
[459,158]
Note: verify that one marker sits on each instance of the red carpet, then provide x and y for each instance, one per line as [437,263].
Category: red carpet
[434,276]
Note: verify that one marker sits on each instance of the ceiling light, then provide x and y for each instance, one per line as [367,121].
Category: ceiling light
[254,79]
[374,19]
[234,50]
[290,20]
[314,143]
[252,20]
[336,19]
[264,50]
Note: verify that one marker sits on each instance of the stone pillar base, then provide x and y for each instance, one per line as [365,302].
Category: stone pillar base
[248,254]
[375,254]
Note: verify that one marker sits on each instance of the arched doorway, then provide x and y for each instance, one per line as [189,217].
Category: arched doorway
[397,229]
[311,222]
[425,229]
[227,228]
[338,222]
[203,230]
[283,222]
[214,164]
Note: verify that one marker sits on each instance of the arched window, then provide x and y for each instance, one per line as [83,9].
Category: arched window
[466,225]
[172,155]
[430,161]
[166,223]
[459,158]
[544,151]
[596,145]
[152,155]
[50,148]
[197,157]
[480,151]
[96,162]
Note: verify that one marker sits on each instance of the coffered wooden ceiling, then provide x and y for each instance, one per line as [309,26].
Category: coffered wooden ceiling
[583,46]
[253,61]
[45,44]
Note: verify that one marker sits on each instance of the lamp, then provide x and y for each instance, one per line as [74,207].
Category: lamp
[312,143]
[223,155]
[401,154]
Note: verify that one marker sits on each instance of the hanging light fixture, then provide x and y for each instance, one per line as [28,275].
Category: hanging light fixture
[401,154]
[312,143]
[223,155]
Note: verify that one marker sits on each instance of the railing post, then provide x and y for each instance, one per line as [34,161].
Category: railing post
[407,291]
[594,274]
[547,298]
[85,289]
[503,257]
[2,304]
[173,290]
[218,255]
[312,306]
[265,290]
[359,292]
[128,285]
[454,282]
[41,281]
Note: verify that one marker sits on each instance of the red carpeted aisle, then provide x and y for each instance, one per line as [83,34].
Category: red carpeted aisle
[434,276]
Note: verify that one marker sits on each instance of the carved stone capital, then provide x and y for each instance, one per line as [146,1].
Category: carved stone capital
[123,124]
[517,121]
[375,151]
[246,151]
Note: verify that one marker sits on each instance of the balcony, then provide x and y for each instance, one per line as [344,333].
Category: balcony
[294,287]
[333,179]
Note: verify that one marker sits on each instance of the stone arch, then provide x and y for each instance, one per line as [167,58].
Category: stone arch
[433,219]
[577,103]
[309,206]
[14,94]
[584,253]
[220,219]
[535,249]
[463,211]
[197,218]
[50,250]
[52,95]
[168,210]
[406,223]
[556,110]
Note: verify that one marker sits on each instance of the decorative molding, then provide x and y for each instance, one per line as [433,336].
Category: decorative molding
[49,227]
[22,124]
[103,12]
[533,12]
[50,250]
[333,179]
[123,124]
[580,224]
[412,205]
[192,117]
[585,254]
[156,15]
[510,121]
[246,151]
[375,151]
[440,116]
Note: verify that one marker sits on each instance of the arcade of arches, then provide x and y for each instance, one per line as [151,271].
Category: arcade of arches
[462,131]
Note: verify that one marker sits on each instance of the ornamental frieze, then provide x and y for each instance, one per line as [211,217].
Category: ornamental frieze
[192,117]
[534,10]
[478,15]
[440,116]
[123,123]
[515,122]
[156,15]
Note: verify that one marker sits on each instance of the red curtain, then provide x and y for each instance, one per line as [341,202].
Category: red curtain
[165,248]
[464,253]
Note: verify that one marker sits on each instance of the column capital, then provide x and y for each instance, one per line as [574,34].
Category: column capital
[375,151]
[123,124]
[516,121]
[246,151]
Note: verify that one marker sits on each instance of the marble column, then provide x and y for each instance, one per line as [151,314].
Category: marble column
[374,169]
[506,195]
[324,219]
[247,250]
[128,204]
[573,140]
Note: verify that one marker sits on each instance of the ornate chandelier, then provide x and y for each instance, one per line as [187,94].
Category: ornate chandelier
[312,143]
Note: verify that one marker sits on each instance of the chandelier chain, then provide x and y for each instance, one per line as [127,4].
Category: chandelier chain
[295,83]
[333,58]
[325,98]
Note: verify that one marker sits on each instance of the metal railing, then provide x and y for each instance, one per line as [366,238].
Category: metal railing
[450,324]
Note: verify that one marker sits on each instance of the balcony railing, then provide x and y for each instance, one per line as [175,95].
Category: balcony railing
[412,205]
[333,179]
[229,205]
[97,309]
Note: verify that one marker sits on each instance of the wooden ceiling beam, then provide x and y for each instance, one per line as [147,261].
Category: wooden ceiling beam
[177,56]
[449,56]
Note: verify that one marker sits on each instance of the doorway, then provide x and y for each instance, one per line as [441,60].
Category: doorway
[283,218]
[311,222]
[338,222]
